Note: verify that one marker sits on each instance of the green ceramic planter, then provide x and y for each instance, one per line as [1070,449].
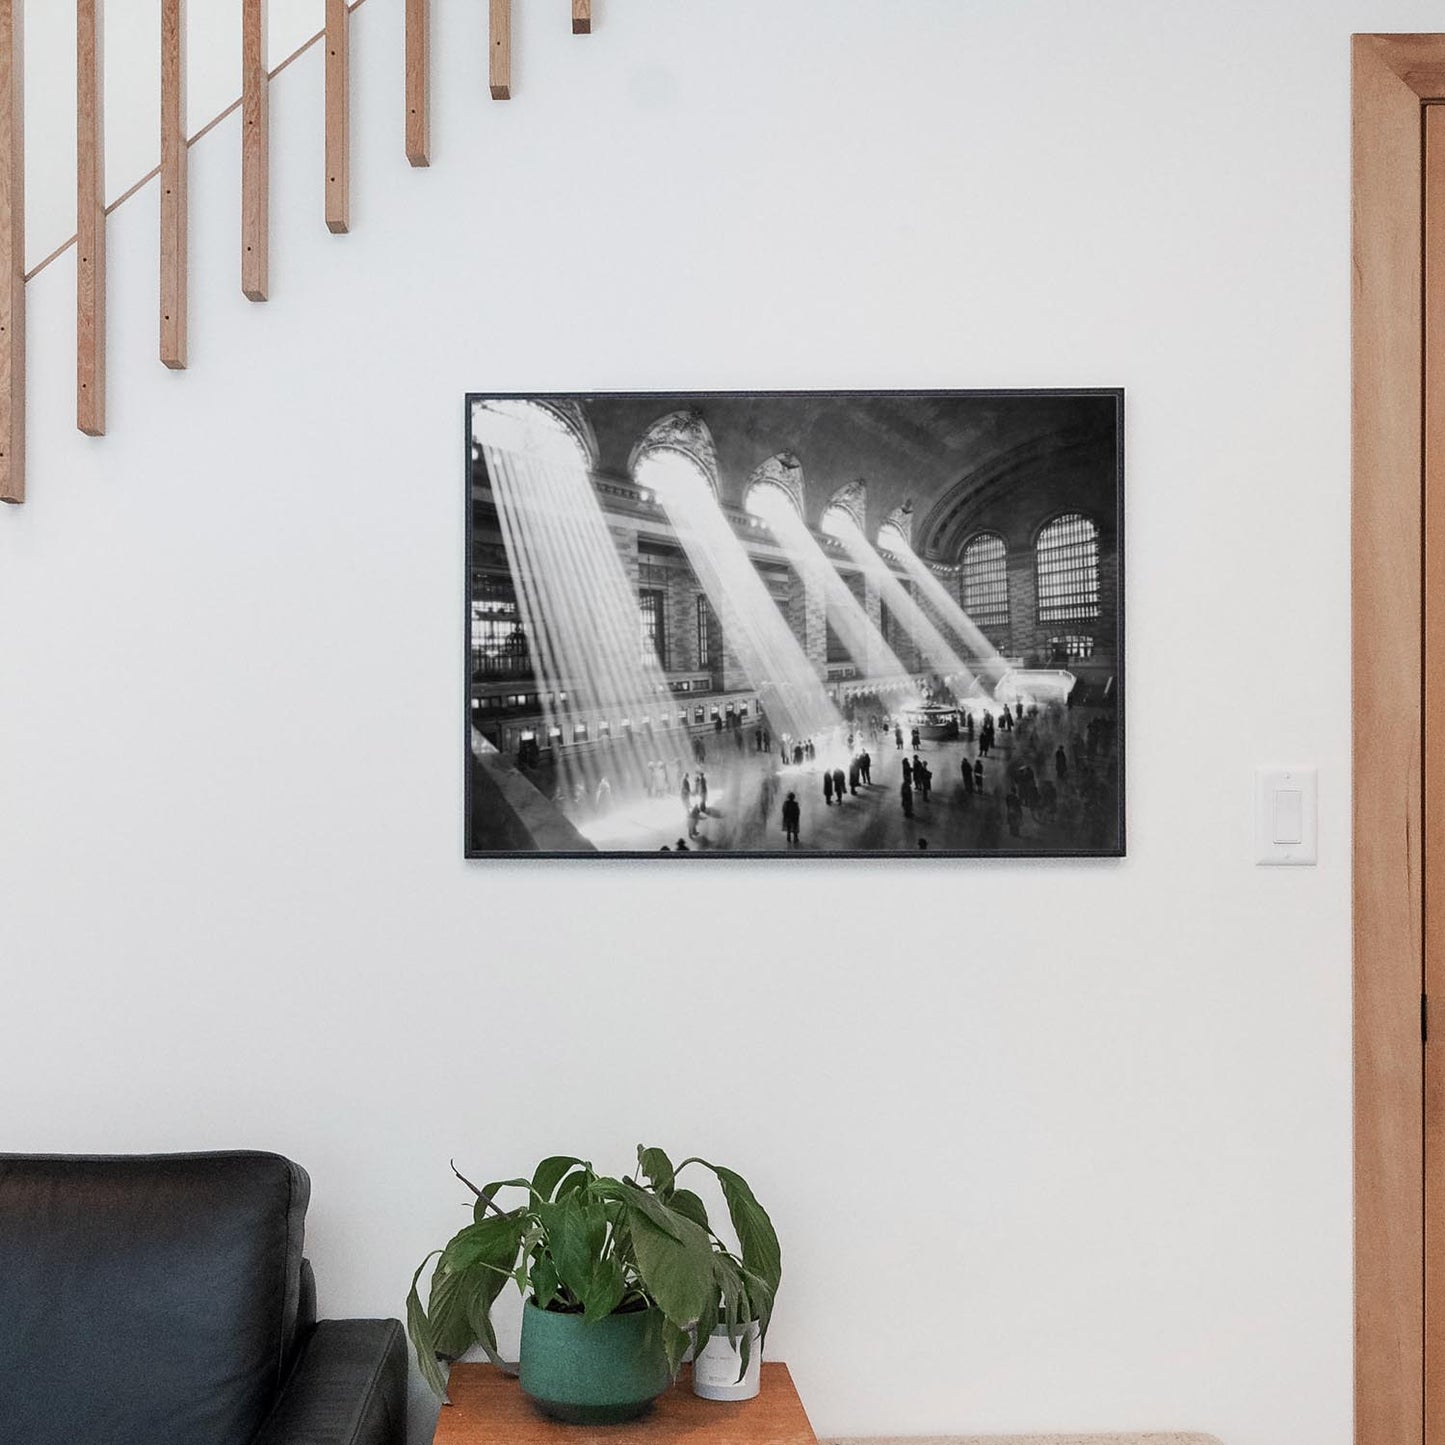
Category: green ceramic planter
[592,1374]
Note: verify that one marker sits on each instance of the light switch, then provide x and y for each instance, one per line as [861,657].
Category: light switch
[1289,816]
[1286,814]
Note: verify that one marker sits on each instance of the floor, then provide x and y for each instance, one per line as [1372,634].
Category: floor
[746,790]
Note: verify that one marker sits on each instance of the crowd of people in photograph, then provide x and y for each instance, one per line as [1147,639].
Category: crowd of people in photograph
[1015,776]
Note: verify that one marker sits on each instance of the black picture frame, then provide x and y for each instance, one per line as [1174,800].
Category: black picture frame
[1114,849]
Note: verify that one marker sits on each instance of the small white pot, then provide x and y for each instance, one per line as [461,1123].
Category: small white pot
[716,1367]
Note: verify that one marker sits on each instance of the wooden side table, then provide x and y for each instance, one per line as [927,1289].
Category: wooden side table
[489,1408]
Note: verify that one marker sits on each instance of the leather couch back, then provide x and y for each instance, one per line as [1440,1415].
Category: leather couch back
[149,1299]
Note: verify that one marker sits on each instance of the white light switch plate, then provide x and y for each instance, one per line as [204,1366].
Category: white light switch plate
[1286,816]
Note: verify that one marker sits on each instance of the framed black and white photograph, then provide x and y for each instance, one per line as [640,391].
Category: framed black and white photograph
[792,623]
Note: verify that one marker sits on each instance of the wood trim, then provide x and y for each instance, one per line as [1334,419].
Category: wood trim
[338,116]
[418,82]
[174,219]
[90,220]
[1433,503]
[12,251]
[499,49]
[1391,76]
[582,17]
[255,154]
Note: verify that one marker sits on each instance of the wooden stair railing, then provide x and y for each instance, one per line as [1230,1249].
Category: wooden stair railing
[91,209]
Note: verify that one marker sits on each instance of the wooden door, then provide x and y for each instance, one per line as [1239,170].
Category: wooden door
[1398,722]
[1433,772]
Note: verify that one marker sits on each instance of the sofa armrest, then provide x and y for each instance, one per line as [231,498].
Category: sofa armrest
[348,1388]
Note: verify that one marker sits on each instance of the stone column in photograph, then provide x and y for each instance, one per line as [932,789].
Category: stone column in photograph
[1104,628]
[873,606]
[808,614]
[1025,634]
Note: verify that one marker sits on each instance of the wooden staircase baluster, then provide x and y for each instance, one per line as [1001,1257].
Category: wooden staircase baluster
[418,82]
[500,49]
[91,211]
[338,116]
[90,219]
[255,154]
[174,222]
[12,252]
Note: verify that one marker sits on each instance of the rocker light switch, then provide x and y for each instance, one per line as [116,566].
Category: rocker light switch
[1286,816]
[1289,816]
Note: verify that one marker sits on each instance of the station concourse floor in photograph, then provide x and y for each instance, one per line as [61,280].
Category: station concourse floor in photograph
[778,622]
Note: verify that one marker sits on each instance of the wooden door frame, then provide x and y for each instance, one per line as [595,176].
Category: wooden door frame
[1393,77]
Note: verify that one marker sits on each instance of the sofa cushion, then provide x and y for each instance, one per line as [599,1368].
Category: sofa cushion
[146,1300]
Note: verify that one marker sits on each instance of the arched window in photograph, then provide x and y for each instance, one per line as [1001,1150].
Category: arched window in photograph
[770,503]
[891,539]
[554,432]
[838,521]
[985,582]
[1067,554]
[676,451]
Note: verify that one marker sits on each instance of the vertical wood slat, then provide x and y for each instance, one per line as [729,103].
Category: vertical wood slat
[1433,685]
[338,116]
[500,49]
[1388,796]
[255,154]
[1433,494]
[582,17]
[12,252]
[90,220]
[174,222]
[418,82]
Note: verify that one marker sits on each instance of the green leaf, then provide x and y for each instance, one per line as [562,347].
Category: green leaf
[657,1169]
[479,1314]
[756,1235]
[576,1180]
[638,1199]
[486,1195]
[419,1328]
[550,1173]
[687,1204]
[676,1268]
[494,1240]
[573,1242]
[706,1324]
[544,1282]
[674,1343]
[605,1289]
[469,1275]
[448,1312]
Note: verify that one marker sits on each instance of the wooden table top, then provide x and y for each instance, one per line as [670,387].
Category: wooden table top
[489,1408]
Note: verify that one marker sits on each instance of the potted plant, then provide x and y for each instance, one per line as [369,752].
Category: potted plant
[615,1273]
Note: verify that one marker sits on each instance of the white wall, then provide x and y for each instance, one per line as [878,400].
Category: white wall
[1050,1145]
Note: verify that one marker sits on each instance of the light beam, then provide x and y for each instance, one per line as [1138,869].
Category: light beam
[934,646]
[787,683]
[863,640]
